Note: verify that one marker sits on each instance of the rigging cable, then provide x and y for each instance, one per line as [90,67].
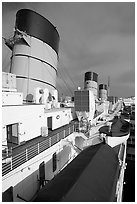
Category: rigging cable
[54,63]
[67,73]
[50,74]
[66,84]
[60,73]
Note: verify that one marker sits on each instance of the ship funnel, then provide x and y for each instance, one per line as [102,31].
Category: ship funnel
[34,52]
[91,82]
[103,93]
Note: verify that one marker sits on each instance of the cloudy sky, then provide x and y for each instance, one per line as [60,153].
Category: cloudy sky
[94,36]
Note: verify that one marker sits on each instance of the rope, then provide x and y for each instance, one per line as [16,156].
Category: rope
[60,73]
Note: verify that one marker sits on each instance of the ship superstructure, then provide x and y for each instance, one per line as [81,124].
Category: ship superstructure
[30,100]
[41,140]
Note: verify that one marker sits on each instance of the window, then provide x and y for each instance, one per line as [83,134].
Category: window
[54,161]
[42,174]
[12,133]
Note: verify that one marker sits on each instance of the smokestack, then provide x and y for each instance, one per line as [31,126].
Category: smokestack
[91,82]
[103,92]
[34,52]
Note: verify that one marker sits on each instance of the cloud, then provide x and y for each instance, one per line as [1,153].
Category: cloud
[96,36]
[127,78]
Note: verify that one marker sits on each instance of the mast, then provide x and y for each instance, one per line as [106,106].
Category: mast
[108,85]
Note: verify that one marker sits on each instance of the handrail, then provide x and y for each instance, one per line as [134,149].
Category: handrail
[35,149]
[6,152]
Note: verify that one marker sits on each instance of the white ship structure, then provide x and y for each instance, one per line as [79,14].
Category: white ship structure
[49,152]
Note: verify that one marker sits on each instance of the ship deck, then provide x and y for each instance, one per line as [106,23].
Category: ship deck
[19,148]
[24,152]
[95,166]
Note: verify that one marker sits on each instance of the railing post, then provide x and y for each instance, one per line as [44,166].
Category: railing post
[57,137]
[11,151]
[38,147]
[50,141]
[26,154]
[11,163]
[64,133]
[6,152]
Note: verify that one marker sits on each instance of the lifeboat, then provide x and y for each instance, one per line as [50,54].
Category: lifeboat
[117,133]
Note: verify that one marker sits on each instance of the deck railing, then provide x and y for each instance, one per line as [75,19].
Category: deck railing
[6,152]
[35,149]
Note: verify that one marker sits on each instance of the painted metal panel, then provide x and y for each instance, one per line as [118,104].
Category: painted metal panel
[91,76]
[103,86]
[12,98]
[37,26]
[20,66]
[49,55]
[21,48]
[23,112]
[103,94]
[8,80]
[35,57]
